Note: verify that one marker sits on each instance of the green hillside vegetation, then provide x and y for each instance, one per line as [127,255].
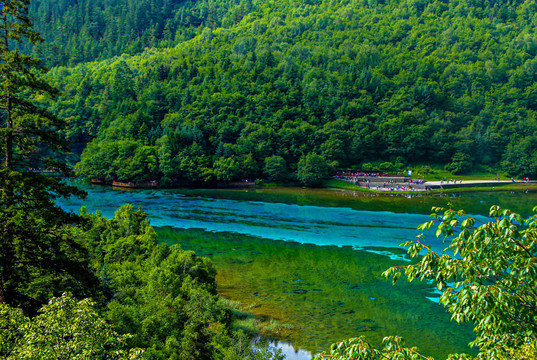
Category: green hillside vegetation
[86,30]
[153,300]
[352,82]
[163,296]
[307,87]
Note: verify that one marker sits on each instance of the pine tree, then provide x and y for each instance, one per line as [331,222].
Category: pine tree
[38,254]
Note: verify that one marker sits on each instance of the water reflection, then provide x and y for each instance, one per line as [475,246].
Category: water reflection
[304,223]
[290,352]
[260,241]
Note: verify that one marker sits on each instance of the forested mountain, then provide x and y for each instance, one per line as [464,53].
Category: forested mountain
[86,30]
[336,83]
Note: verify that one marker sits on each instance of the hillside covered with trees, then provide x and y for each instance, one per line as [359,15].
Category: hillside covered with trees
[86,30]
[148,298]
[283,86]
[346,83]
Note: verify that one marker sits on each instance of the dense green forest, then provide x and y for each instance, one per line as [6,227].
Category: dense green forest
[148,298]
[159,300]
[86,30]
[226,90]
[163,296]
[345,82]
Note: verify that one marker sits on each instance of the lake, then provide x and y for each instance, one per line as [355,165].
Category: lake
[307,262]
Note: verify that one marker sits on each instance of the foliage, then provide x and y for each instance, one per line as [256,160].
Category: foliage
[461,163]
[64,329]
[312,169]
[358,348]
[11,328]
[525,352]
[164,296]
[520,157]
[352,81]
[39,256]
[100,29]
[276,168]
[489,280]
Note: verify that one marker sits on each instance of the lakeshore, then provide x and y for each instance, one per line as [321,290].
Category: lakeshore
[276,247]
[407,184]
[373,183]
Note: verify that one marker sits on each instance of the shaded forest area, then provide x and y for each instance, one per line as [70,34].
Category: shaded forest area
[87,30]
[264,89]
[327,83]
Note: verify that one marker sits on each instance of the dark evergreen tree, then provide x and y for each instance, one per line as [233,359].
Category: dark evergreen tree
[38,254]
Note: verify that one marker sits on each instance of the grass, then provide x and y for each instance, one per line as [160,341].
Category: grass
[267,327]
[341,184]
[253,325]
[437,173]
[429,173]
[452,190]
[501,187]
[267,184]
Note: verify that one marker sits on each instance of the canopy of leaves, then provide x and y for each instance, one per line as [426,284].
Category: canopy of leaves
[350,80]
[39,257]
[164,296]
[312,168]
[86,30]
[488,277]
[64,329]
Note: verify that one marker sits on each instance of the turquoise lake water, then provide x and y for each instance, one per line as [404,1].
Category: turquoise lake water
[297,255]
[320,217]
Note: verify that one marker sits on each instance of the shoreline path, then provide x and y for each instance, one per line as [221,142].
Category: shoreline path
[406,184]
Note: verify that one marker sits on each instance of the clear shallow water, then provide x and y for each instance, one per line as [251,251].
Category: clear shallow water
[349,220]
[278,221]
[291,353]
[261,242]
[326,293]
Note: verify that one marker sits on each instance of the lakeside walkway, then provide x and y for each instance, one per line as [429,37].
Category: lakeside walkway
[471,183]
[381,183]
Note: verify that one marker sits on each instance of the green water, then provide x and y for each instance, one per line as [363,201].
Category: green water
[326,293]
[311,259]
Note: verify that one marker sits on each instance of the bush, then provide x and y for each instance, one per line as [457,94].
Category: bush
[461,163]
[312,169]
[490,282]
[276,168]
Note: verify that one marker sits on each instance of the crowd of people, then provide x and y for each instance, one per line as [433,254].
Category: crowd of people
[450,181]
[382,181]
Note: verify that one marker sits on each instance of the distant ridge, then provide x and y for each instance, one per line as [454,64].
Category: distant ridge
[342,82]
